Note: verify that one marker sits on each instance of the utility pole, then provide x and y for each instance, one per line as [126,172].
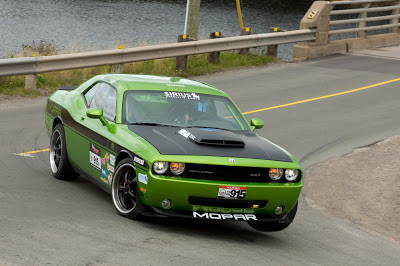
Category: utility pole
[239,10]
[192,18]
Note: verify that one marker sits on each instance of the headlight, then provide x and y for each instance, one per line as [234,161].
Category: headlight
[291,174]
[177,168]
[275,173]
[160,167]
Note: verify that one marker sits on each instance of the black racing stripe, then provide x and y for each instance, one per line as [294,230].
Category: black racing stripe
[91,135]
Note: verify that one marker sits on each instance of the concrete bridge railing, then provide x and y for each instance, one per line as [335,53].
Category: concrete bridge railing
[324,17]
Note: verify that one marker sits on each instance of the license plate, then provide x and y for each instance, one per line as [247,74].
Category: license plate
[228,192]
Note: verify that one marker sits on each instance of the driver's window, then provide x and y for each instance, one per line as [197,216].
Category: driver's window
[104,96]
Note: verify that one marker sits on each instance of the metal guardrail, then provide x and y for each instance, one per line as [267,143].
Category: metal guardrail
[362,27]
[37,65]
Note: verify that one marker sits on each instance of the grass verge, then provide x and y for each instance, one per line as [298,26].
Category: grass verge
[197,65]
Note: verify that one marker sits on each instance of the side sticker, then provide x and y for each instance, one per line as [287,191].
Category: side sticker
[104,172]
[95,159]
[138,160]
[112,160]
[142,178]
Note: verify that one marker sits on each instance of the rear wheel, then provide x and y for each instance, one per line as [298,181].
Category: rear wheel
[124,189]
[59,163]
[273,226]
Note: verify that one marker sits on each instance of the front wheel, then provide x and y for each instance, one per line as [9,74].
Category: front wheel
[124,189]
[59,163]
[273,226]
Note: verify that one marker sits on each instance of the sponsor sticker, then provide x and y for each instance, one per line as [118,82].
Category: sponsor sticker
[112,160]
[142,178]
[104,172]
[95,159]
[109,178]
[110,168]
[225,216]
[175,85]
[138,160]
[230,192]
[104,179]
[182,95]
[105,159]
[186,134]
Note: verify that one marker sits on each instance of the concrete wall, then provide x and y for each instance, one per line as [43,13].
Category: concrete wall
[322,46]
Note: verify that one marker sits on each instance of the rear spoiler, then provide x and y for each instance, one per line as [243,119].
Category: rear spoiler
[67,88]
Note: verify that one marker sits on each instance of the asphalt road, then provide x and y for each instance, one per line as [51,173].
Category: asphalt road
[47,221]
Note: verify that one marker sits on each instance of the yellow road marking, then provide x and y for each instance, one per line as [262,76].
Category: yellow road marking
[283,105]
[31,152]
[322,97]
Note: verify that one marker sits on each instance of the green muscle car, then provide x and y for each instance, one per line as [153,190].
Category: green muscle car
[171,147]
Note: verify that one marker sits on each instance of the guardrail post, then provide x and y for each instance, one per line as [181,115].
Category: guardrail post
[118,68]
[317,18]
[30,82]
[363,34]
[395,20]
[245,31]
[272,50]
[181,61]
[213,57]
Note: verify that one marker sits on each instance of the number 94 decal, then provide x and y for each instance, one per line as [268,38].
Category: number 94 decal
[228,192]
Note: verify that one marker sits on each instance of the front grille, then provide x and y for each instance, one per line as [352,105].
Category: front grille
[227,203]
[228,173]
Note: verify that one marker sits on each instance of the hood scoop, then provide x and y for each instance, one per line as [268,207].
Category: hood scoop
[212,137]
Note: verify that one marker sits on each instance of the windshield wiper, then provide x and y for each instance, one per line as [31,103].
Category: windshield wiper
[150,124]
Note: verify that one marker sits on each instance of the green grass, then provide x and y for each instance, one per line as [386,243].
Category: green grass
[197,65]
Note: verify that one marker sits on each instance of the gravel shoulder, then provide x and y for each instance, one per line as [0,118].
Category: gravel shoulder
[363,186]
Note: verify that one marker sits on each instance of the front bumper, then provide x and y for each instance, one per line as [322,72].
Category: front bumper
[182,191]
[283,218]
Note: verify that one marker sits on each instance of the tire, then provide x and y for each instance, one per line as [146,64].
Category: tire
[124,189]
[59,164]
[274,226]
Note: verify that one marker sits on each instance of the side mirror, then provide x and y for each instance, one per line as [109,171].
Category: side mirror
[256,123]
[96,113]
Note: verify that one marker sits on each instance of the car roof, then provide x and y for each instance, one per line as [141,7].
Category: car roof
[160,83]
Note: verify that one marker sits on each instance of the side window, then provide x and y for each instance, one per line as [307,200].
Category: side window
[90,93]
[109,104]
[103,96]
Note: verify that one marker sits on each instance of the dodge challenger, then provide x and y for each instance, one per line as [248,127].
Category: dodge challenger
[171,147]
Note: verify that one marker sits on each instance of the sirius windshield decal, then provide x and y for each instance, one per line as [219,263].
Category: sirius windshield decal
[182,95]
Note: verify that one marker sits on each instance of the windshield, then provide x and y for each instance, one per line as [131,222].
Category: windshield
[181,109]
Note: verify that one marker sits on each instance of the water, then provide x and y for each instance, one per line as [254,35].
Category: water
[88,25]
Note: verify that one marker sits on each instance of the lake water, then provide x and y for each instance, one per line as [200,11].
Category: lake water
[89,25]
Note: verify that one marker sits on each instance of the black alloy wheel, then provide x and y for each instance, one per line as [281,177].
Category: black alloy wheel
[124,189]
[59,163]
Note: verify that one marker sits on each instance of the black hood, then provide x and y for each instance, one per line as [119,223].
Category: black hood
[209,142]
